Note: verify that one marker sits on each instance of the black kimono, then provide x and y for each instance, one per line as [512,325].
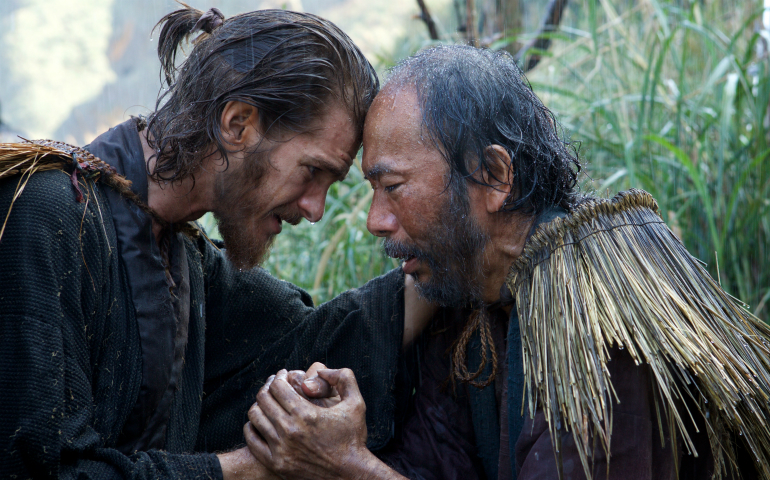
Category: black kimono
[110,370]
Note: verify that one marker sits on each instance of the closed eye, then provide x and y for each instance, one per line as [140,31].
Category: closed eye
[391,188]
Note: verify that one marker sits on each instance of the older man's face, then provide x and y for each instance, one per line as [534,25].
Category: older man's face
[426,219]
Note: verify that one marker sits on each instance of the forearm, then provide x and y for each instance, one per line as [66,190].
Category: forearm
[241,465]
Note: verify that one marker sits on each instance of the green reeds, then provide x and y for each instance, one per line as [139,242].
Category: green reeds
[675,101]
[611,274]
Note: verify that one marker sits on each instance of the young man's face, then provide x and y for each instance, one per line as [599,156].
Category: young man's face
[426,220]
[286,182]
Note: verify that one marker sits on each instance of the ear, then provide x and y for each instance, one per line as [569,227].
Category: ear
[240,124]
[499,175]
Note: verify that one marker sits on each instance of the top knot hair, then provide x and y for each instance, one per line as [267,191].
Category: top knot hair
[292,67]
[177,27]
[209,21]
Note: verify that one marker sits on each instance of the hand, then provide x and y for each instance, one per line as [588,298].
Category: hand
[311,386]
[297,439]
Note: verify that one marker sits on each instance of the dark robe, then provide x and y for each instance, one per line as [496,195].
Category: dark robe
[469,433]
[74,360]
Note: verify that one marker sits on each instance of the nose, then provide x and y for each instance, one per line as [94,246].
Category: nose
[312,203]
[381,220]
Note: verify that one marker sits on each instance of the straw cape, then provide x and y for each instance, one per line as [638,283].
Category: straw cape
[612,274]
[31,156]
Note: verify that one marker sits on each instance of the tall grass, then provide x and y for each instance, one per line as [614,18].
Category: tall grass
[673,100]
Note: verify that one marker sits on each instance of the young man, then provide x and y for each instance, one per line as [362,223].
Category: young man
[130,341]
[579,339]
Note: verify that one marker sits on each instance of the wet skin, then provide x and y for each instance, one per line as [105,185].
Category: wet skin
[407,173]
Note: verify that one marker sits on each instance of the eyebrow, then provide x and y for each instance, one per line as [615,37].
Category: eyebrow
[338,172]
[376,171]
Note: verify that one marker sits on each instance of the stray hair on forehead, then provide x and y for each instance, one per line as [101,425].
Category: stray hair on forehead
[472,98]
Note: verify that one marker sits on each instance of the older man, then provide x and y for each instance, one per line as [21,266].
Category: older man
[130,342]
[586,315]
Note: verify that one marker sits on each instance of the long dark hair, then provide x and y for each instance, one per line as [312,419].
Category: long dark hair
[472,98]
[288,65]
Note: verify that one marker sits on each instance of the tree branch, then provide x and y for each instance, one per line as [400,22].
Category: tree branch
[428,19]
[543,42]
[470,23]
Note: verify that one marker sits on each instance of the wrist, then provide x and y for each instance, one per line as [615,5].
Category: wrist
[364,465]
[240,464]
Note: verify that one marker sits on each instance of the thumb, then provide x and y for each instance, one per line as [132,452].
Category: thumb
[317,387]
[344,380]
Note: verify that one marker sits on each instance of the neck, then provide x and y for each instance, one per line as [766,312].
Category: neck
[508,234]
[180,200]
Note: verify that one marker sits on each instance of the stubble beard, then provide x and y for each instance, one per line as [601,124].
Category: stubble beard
[243,245]
[453,253]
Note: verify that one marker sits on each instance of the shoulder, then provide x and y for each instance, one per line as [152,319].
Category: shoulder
[48,200]
[51,187]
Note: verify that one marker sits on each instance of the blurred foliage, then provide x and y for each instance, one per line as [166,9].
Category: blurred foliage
[669,97]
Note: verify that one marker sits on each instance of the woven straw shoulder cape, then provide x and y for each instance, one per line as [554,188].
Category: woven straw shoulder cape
[612,274]
[24,159]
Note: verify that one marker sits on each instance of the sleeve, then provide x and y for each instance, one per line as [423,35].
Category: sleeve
[636,451]
[56,352]
[257,325]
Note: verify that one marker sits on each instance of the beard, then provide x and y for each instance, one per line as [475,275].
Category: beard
[245,245]
[453,253]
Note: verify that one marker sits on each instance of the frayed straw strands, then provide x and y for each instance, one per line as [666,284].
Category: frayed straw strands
[612,273]
[33,156]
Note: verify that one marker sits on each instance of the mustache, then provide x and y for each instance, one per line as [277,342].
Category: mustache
[288,214]
[402,250]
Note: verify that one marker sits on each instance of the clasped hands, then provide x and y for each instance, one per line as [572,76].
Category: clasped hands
[311,425]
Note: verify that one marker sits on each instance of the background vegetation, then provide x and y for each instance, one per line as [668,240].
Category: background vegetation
[671,97]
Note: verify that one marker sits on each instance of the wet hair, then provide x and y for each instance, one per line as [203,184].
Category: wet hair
[290,66]
[472,98]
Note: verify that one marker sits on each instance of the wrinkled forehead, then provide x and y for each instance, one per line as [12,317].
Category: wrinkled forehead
[394,122]
[395,140]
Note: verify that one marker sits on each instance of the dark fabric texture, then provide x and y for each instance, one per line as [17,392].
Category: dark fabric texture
[437,439]
[484,411]
[71,358]
[158,313]
[515,387]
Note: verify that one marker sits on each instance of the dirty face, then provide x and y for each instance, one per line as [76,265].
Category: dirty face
[285,181]
[423,213]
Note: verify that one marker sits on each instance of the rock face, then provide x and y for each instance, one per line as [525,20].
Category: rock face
[49,46]
[73,68]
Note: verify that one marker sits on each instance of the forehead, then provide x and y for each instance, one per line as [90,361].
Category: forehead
[335,128]
[394,134]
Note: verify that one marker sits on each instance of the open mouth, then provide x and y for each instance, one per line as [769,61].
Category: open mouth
[408,254]
[405,258]
[409,264]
